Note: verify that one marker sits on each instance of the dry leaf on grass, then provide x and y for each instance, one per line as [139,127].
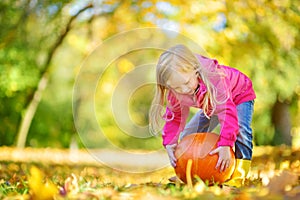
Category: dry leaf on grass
[278,184]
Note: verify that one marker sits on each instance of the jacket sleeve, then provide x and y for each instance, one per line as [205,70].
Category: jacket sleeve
[227,115]
[225,108]
[175,117]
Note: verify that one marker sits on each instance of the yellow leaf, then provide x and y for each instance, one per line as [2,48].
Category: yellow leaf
[35,178]
[285,165]
[39,189]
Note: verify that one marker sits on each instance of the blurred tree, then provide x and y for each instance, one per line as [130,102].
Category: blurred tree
[33,30]
[34,102]
[19,72]
[268,39]
[37,38]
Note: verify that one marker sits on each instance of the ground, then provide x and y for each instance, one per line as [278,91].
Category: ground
[64,174]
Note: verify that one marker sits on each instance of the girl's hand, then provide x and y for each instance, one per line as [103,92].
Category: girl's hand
[170,150]
[224,157]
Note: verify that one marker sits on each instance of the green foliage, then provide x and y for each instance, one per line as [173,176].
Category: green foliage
[260,38]
[23,51]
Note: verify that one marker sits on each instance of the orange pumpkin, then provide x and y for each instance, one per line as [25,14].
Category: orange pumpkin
[193,159]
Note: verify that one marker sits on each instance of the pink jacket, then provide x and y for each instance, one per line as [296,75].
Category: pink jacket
[239,88]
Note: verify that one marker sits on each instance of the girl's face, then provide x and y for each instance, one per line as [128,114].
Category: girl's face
[183,82]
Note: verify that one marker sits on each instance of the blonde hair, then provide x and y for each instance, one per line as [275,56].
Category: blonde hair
[181,59]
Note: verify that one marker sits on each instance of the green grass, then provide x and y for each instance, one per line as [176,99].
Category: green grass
[275,174]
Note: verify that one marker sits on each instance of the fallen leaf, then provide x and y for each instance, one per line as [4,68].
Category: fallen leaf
[294,192]
[71,185]
[278,184]
[39,189]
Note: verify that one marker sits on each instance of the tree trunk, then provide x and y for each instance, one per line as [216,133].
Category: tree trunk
[34,102]
[29,114]
[282,123]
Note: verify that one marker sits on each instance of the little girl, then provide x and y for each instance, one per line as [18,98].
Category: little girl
[224,96]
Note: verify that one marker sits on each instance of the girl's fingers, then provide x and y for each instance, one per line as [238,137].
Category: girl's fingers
[223,166]
[171,155]
[213,152]
[170,150]
[173,163]
[173,160]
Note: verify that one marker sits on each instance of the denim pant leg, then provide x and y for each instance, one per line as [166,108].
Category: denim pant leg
[243,144]
[199,123]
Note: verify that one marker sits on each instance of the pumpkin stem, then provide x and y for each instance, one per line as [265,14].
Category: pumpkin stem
[188,173]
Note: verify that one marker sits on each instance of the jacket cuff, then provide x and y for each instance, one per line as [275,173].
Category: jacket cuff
[170,141]
[225,142]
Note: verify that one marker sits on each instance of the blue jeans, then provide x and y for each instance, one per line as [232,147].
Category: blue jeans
[243,145]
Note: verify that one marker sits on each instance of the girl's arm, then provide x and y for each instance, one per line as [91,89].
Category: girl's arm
[227,115]
[175,117]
